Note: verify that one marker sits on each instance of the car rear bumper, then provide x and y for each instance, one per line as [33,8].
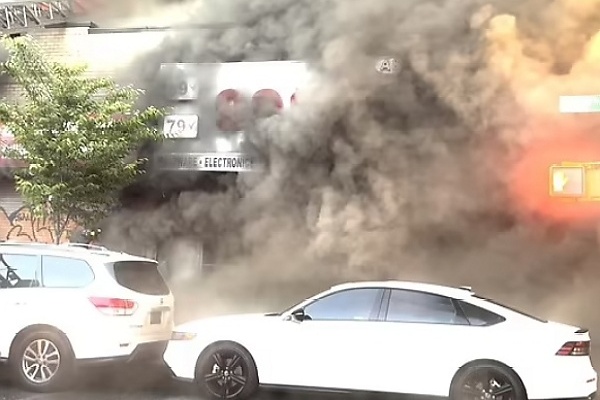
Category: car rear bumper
[560,378]
[575,387]
[591,396]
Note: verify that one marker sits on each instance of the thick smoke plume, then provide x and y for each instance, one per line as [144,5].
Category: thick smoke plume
[411,175]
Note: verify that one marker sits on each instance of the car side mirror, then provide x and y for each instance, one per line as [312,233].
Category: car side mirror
[299,315]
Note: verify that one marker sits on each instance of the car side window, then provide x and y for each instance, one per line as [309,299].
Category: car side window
[478,316]
[19,271]
[347,305]
[425,308]
[64,272]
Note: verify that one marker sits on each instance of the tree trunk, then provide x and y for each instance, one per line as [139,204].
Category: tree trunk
[58,229]
[57,234]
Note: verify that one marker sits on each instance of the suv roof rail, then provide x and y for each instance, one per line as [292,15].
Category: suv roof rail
[14,243]
[64,246]
[86,246]
[468,288]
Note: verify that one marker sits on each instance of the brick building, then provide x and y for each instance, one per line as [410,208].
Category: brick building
[104,51]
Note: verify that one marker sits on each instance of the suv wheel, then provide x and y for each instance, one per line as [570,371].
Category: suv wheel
[41,361]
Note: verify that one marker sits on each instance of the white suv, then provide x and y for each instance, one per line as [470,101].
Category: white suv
[64,304]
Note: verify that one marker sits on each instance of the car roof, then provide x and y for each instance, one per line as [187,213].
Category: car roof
[461,292]
[71,250]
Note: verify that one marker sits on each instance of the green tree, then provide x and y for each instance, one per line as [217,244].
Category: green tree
[77,137]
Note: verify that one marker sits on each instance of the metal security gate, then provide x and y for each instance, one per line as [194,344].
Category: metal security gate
[10,200]
[180,259]
[10,204]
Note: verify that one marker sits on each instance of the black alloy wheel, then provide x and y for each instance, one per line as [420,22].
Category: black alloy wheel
[227,372]
[487,382]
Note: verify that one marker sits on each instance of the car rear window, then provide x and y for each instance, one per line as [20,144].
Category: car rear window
[140,276]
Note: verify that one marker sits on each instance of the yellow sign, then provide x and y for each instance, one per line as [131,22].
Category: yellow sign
[576,181]
[567,180]
[559,181]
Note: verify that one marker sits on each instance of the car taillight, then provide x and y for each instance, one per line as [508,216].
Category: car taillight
[575,349]
[112,306]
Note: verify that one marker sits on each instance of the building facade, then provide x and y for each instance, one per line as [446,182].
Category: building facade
[104,53]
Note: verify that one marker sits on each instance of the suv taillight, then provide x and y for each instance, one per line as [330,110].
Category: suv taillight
[112,306]
[575,349]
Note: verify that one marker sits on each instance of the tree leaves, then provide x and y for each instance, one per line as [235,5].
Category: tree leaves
[75,134]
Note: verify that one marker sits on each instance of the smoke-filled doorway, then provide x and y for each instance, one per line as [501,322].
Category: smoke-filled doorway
[180,259]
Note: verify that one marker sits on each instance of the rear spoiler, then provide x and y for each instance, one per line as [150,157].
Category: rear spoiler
[582,330]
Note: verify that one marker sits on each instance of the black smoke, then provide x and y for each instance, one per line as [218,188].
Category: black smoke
[386,176]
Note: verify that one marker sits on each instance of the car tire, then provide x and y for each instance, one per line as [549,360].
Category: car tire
[226,371]
[474,381]
[47,356]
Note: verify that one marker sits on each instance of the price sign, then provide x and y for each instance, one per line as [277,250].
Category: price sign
[180,126]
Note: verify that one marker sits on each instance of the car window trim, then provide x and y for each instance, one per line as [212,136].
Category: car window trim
[460,312]
[385,305]
[377,305]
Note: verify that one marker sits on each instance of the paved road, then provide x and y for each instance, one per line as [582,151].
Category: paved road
[149,383]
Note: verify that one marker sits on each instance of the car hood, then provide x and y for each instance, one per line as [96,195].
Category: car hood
[199,325]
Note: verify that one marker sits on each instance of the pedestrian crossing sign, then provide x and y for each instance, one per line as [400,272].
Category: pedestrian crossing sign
[567,181]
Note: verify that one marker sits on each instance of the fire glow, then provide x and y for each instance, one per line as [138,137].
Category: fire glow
[531,182]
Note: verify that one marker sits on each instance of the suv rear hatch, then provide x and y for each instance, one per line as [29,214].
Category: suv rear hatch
[152,305]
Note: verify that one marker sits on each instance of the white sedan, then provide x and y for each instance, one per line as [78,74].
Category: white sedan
[393,337]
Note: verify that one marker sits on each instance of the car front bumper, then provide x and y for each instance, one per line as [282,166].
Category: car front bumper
[591,396]
[181,357]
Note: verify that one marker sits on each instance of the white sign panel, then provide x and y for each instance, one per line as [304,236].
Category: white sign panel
[387,66]
[217,162]
[180,126]
[579,104]
[187,89]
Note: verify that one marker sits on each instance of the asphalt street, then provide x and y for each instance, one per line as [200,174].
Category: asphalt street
[122,383]
[132,383]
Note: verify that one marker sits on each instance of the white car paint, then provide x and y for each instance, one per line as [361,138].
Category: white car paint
[396,357]
[94,333]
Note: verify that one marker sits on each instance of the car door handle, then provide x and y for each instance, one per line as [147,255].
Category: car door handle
[20,303]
